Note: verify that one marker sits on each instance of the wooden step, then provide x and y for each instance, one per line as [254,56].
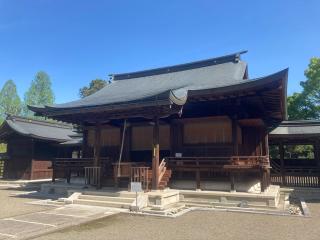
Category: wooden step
[163,181]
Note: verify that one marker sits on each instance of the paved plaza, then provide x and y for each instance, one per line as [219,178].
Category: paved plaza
[22,220]
[19,219]
[198,225]
[38,223]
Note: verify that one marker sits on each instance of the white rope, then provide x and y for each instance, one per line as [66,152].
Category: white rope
[121,148]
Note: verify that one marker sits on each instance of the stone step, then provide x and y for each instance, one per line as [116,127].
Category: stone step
[124,194]
[171,209]
[196,202]
[106,198]
[102,203]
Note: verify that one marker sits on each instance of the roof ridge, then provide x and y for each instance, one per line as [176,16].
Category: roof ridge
[234,57]
[39,121]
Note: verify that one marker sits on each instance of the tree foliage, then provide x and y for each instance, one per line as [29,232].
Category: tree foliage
[306,105]
[94,86]
[39,93]
[3,148]
[10,102]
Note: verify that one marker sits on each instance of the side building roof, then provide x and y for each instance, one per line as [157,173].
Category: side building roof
[296,129]
[38,129]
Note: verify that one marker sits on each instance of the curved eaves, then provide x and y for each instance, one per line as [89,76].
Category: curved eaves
[21,131]
[245,85]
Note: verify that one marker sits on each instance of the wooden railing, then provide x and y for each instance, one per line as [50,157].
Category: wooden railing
[140,174]
[162,169]
[68,165]
[250,160]
[190,163]
[124,168]
[134,171]
[74,162]
[295,176]
[3,158]
[92,176]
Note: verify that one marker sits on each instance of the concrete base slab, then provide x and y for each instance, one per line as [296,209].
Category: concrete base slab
[60,188]
[249,185]
[36,224]
[303,192]
[159,200]
[269,198]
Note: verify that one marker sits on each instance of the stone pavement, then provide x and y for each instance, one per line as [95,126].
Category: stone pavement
[35,224]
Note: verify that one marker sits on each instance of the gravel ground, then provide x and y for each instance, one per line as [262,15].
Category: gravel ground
[194,225]
[198,225]
[13,205]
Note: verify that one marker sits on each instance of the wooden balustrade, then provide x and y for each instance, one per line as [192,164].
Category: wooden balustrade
[72,164]
[295,176]
[203,163]
[124,170]
[140,174]
[75,162]
[92,176]
[162,169]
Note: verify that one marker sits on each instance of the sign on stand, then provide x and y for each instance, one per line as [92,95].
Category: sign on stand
[136,187]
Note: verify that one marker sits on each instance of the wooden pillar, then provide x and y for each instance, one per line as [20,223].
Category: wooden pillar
[84,146]
[316,150]
[53,173]
[173,141]
[235,136]
[97,145]
[235,150]
[232,181]
[32,158]
[155,155]
[263,179]
[267,154]
[126,155]
[198,176]
[263,168]
[266,145]
[68,175]
[282,166]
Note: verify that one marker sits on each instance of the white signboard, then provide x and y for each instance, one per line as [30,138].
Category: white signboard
[136,187]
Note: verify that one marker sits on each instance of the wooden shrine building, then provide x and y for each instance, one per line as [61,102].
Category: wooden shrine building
[292,168]
[32,144]
[203,120]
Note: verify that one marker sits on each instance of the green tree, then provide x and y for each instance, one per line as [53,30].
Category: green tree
[3,148]
[306,105]
[94,86]
[9,100]
[39,93]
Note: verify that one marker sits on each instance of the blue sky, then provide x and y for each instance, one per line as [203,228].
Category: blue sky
[77,41]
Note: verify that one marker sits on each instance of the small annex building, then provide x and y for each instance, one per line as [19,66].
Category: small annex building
[32,145]
[290,168]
